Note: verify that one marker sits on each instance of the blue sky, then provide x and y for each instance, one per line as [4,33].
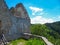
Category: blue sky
[40,11]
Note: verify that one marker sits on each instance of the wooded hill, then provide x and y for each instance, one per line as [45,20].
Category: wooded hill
[49,30]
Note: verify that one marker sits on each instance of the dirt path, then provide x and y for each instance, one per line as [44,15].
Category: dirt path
[45,39]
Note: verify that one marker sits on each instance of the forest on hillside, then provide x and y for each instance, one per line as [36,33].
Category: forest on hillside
[49,30]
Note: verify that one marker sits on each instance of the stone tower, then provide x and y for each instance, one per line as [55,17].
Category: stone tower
[15,21]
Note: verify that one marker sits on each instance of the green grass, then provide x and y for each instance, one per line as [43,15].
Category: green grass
[33,41]
[18,41]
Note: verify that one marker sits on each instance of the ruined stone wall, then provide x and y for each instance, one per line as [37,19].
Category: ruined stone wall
[4,16]
[22,16]
[19,11]
[15,21]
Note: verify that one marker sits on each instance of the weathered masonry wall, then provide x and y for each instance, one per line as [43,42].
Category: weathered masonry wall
[15,21]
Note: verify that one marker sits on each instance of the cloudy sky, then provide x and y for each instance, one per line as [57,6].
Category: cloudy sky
[40,11]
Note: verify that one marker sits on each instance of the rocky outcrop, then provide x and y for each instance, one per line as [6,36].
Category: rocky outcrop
[15,21]
[19,11]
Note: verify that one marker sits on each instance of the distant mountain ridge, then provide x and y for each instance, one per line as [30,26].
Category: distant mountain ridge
[54,26]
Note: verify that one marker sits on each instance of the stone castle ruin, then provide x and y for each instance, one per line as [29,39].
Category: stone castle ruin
[13,22]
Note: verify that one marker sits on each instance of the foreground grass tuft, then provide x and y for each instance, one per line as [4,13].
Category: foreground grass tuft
[35,42]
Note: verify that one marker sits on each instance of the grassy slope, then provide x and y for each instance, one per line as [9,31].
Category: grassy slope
[34,41]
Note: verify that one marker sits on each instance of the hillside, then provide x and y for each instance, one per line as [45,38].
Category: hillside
[32,41]
[50,31]
[54,26]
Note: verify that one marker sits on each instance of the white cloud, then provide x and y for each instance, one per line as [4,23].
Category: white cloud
[41,13]
[35,10]
[41,20]
[58,16]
